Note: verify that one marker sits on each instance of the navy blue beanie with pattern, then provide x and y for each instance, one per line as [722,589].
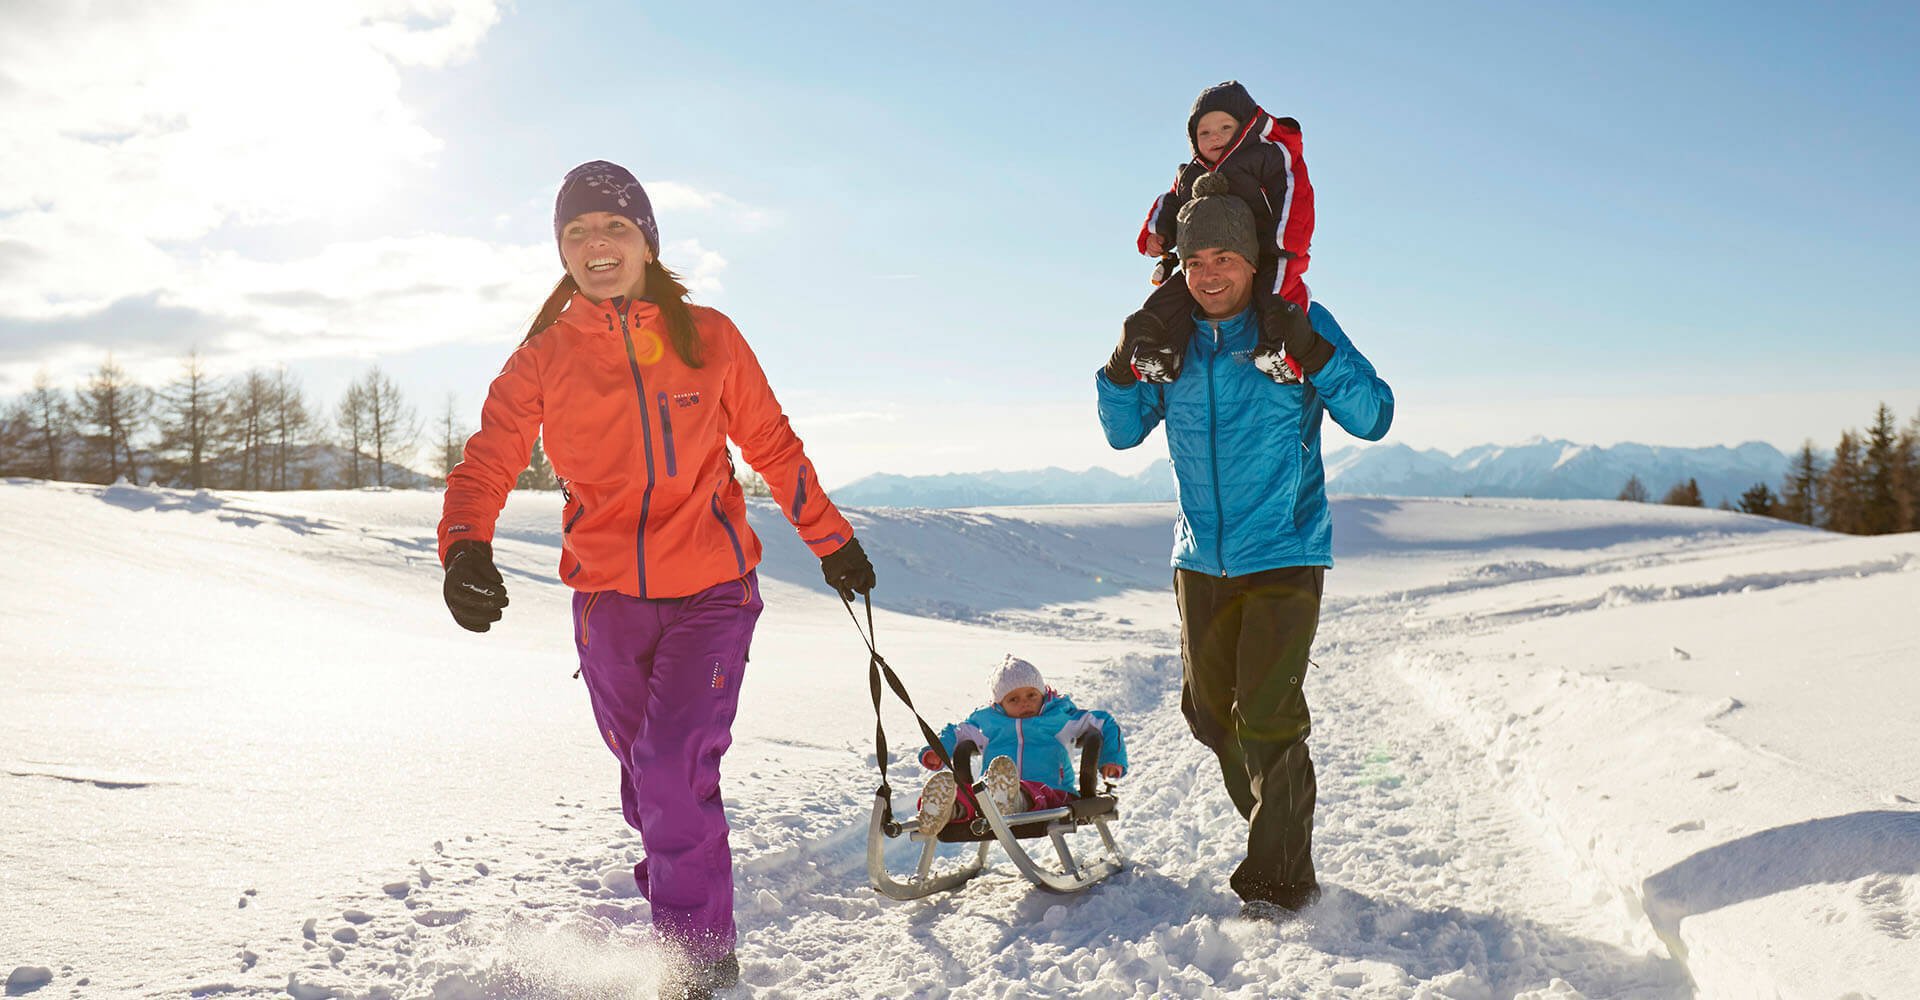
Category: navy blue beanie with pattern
[600,186]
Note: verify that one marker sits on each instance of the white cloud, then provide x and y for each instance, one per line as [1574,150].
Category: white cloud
[134,127]
[672,196]
[699,268]
[363,299]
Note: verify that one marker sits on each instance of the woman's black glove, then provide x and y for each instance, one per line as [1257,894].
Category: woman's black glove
[473,589]
[847,570]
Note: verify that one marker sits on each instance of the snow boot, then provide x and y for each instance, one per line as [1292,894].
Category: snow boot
[936,802]
[699,980]
[1003,786]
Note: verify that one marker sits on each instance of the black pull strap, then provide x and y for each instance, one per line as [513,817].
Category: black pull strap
[877,670]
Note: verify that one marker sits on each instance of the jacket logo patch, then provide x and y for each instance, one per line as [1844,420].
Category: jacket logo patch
[719,677]
[684,399]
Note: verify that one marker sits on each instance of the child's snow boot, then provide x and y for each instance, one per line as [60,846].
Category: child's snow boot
[1003,786]
[936,802]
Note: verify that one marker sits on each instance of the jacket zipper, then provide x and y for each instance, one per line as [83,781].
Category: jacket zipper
[646,447]
[1213,453]
[666,431]
[1019,746]
[739,557]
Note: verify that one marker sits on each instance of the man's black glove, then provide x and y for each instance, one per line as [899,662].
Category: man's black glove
[1288,349]
[473,589]
[1146,352]
[847,570]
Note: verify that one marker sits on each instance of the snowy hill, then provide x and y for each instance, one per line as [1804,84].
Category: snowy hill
[1040,486]
[1537,468]
[1566,749]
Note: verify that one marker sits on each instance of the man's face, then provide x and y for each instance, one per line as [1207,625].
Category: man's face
[1221,282]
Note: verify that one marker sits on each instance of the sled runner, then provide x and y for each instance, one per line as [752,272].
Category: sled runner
[1089,808]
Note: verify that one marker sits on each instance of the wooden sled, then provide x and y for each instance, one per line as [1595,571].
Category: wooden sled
[1088,809]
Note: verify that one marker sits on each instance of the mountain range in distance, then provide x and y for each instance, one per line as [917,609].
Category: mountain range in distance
[1537,468]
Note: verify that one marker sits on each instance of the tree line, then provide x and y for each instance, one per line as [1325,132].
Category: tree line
[1870,485]
[254,431]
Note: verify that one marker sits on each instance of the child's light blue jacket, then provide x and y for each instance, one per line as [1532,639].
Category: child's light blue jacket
[1041,746]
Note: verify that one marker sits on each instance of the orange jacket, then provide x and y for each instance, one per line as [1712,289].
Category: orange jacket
[639,438]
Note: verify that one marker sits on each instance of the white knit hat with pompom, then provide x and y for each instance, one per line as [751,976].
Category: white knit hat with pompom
[1012,674]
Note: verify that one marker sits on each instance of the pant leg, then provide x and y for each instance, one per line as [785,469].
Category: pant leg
[614,636]
[1172,304]
[694,692]
[1280,614]
[664,678]
[1209,650]
[1044,796]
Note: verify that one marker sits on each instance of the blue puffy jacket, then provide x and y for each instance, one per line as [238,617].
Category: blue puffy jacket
[1041,746]
[1245,449]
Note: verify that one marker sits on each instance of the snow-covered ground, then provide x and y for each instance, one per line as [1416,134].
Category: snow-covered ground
[1565,748]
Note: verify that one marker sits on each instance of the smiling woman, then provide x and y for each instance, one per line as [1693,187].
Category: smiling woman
[655,542]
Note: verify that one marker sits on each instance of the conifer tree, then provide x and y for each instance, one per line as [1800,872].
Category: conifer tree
[1799,496]
[1840,487]
[538,475]
[1685,494]
[1879,504]
[1906,475]
[1758,499]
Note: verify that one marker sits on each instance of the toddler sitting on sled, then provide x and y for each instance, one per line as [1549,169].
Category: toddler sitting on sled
[1028,722]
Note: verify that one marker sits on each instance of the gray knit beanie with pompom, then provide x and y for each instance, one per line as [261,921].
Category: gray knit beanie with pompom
[1217,219]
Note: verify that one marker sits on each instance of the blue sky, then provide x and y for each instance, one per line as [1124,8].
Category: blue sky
[1676,224]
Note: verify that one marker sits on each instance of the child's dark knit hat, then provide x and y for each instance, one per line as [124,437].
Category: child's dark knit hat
[1217,219]
[600,186]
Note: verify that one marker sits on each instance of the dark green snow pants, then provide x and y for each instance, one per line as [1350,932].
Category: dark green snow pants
[1243,649]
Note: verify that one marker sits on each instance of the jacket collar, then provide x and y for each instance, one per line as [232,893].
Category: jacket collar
[605,317]
[1237,332]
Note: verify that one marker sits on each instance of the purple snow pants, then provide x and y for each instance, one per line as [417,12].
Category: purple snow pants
[664,677]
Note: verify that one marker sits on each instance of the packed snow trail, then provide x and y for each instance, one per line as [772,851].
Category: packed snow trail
[254,703]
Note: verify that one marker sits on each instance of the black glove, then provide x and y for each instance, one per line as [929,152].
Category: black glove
[1146,352]
[1288,349]
[847,570]
[473,589]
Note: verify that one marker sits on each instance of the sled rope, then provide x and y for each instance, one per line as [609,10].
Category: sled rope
[877,669]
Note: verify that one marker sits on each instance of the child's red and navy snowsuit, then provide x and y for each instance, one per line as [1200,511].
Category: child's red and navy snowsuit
[1264,166]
